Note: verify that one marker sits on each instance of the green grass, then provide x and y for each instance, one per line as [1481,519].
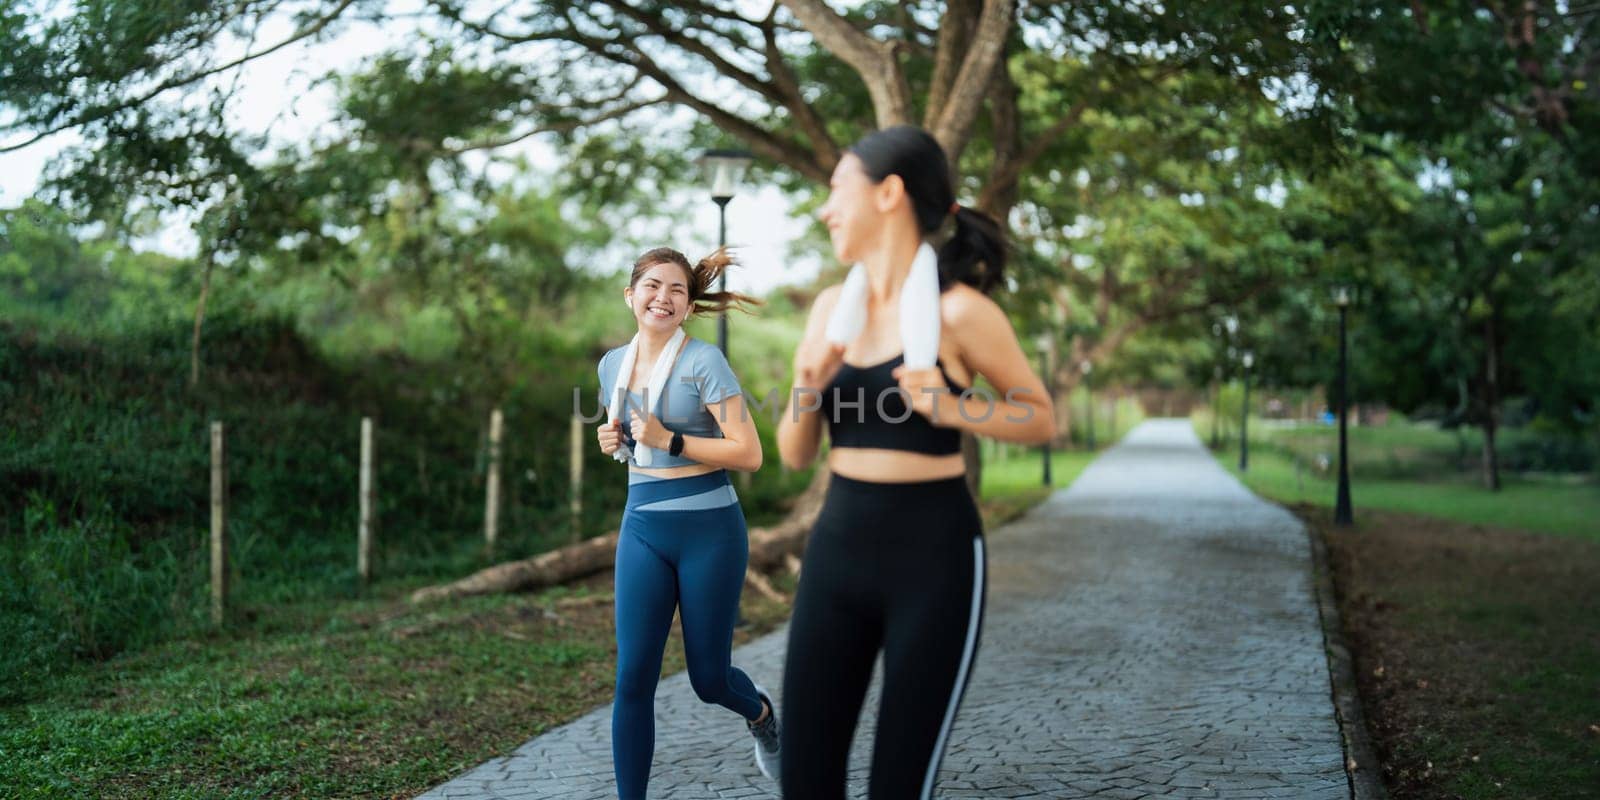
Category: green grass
[1024,472]
[350,699]
[1012,486]
[1419,450]
[1568,507]
[364,697]
[1477,652]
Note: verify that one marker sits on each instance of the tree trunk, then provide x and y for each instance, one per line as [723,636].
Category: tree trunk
[983,54]
[771,547]
[875,61]
[1491,405]
[199,319]
[955,37]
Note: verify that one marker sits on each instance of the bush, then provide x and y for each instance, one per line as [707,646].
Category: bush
[1531,450]
[76,588]
[104,474]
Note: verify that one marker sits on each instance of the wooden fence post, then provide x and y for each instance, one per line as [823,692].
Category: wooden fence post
[364,534]
[575,459]
[219,527]
[491,510]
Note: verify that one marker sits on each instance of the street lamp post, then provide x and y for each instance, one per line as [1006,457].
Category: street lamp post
[1216,406]
[1343,514]
[1230,324]
[1244,415]
[724,168]
[1088,402]
[1044,341]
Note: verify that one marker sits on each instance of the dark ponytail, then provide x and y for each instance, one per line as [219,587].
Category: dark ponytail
[975,253]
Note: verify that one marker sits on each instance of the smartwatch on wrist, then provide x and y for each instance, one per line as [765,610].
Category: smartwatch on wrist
[676,448]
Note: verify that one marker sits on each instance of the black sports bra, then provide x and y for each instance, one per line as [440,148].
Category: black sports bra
[865,407]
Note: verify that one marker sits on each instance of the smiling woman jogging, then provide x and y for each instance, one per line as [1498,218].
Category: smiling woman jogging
[677,417]
[894,563]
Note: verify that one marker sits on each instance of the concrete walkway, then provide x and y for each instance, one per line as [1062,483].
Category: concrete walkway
[1151,632]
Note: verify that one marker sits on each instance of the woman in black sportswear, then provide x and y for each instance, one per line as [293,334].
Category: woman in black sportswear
[894,563]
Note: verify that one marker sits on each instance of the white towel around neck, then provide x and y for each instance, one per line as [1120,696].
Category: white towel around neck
[658,381]
[919,310]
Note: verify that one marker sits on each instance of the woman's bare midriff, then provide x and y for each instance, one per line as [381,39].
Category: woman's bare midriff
[893,466]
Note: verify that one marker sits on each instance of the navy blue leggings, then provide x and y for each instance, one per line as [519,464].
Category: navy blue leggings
[691,560]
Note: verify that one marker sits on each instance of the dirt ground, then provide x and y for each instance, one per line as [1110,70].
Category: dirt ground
[1477,653]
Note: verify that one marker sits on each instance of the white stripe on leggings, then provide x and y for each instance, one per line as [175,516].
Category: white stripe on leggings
[966,664]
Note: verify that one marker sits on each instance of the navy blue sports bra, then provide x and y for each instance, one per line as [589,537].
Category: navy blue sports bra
[864,407]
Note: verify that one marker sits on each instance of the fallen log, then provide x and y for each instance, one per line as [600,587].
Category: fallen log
[770,548]
[547,569]
[763,587]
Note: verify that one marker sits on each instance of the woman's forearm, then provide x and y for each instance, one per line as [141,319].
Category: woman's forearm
[799,431]
[1020,419]
[722,452]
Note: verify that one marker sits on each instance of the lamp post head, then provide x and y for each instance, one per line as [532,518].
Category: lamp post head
[1042,341]
[1086,367]
[1341,296]
[724,169]
[1249,359]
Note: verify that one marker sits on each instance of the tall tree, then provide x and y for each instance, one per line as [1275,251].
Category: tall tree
[1498,104]
[794,84]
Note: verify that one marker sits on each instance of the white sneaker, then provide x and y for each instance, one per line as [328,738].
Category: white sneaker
[766,734]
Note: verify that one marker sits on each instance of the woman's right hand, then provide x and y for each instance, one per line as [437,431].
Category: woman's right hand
[816,363]
[610,436]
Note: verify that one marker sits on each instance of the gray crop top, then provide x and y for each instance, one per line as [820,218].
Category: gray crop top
[700,376]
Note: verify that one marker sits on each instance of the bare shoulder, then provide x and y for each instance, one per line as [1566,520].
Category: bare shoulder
[828,297]
[962,306]
[824,303]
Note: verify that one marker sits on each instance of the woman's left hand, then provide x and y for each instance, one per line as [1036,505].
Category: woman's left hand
[927,390]
[648,429]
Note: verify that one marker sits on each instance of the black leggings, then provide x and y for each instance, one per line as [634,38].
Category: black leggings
[896,567]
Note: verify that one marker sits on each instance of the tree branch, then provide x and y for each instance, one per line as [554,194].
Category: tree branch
[1006,124]
[657,25]
[625,51]
[873,60]
[827,151]
[1004,176]
[761,141]
[486,28]
[955,123]
[173,83]
[955,37]
[563,126]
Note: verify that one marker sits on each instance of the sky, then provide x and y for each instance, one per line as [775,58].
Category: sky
[276,94]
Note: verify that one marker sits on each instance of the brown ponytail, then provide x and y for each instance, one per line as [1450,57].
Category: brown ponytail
[702,279]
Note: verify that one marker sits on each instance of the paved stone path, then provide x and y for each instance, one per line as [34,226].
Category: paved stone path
[1151,632]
